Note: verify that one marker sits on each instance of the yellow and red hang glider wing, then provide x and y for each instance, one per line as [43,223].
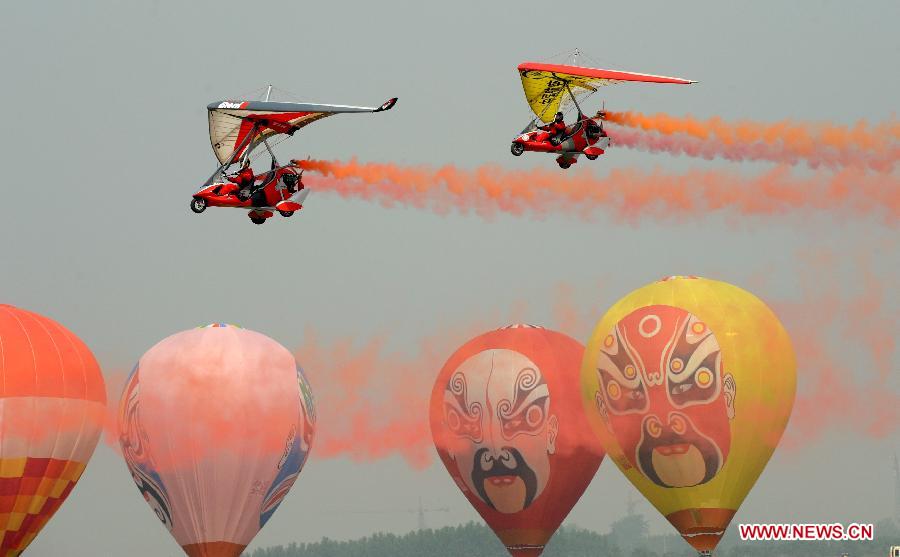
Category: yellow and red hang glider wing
[546,89]
[231,122]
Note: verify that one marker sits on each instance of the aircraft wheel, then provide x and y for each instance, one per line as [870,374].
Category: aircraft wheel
[257,220]
[516,149]
[555,141]
[592,157]
[243,194]
[564,165]
[198,205]
[286,213]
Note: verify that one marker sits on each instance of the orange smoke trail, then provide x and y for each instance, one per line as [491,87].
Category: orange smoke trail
[875,146]
[709,149]
[837,391]
[371,403]
[626,194]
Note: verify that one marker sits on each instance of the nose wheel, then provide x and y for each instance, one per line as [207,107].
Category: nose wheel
[517,149]
[198,205]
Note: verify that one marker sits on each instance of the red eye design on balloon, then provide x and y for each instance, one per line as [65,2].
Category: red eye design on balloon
[463,418]
[534,415]
[463,425]
[694,364]
[528,420]
[620,380]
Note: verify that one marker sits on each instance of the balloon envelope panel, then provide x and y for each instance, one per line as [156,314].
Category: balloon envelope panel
[690,382]
[216,423]
[507,423]
[52,401]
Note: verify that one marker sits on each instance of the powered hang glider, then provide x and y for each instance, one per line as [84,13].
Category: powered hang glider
[236,129]
[554,88]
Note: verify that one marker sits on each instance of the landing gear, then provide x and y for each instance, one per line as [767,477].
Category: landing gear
[564,164]
[516,149]
[198,205]
[257,220]
[286,213]
[592,157]
[244,194]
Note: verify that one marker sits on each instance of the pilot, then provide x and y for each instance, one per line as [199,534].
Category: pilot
[554,129]
[244,179]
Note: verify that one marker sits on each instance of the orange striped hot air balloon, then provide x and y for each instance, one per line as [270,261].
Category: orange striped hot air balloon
[52,401]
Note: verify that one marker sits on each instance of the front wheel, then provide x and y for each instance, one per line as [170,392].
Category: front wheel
[516,149]
[198,205]
[257,220]
[592,157]
[286,213]
[564,165]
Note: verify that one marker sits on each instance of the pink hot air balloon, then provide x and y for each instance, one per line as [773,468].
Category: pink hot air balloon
[215,425]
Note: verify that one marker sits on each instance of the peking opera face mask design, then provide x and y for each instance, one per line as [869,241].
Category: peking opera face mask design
[665,396]
[497,408]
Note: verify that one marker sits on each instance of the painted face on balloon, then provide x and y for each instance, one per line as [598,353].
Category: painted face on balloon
[139,460]
[308,417]
[497,410]
[665,397]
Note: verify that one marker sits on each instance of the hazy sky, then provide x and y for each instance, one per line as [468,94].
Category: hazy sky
[106,139]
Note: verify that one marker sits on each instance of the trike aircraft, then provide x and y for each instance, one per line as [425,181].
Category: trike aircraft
[236,128]
[551,87]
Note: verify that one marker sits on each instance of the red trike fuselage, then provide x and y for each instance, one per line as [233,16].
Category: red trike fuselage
[583,137]
[280,189]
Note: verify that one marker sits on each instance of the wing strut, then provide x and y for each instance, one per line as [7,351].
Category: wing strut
[269,149]
[578,106]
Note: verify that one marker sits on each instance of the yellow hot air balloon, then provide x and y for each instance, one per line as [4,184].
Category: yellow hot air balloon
[689,383]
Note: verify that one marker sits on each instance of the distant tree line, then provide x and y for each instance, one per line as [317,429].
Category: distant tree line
[627,538]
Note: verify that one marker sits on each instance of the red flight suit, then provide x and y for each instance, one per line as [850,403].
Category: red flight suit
[553,128]
[244,178]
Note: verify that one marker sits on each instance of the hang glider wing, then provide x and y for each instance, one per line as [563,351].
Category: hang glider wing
[238,126]
[548,86]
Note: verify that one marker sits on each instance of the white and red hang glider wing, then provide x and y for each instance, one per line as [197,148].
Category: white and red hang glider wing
[547,86]
[238,126]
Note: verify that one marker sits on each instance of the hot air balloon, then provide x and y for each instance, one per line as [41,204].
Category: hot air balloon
[52,402]
[689,383]
[508,424]
[215,425]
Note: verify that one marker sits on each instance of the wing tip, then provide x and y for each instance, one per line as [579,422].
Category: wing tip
[387,105]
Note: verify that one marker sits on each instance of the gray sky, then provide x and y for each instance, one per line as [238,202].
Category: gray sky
[106,140]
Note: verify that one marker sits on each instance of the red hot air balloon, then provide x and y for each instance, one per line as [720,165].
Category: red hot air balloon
[507,422]
[52,402]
